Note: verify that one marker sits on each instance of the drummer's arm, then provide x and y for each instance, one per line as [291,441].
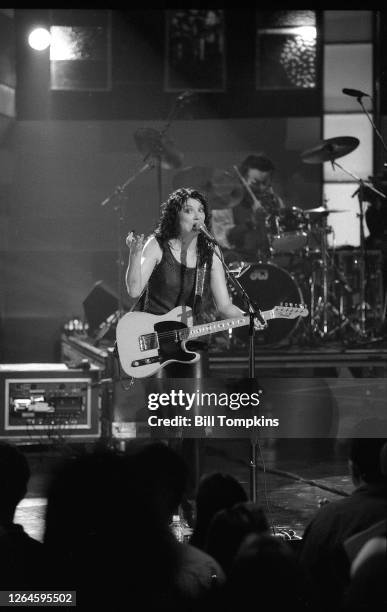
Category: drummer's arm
[280,204]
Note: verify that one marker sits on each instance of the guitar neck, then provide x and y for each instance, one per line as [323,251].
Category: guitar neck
[217,326]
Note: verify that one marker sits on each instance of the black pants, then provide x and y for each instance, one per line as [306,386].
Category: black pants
[189,448]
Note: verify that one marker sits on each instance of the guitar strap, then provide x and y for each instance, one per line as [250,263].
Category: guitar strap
[199,286]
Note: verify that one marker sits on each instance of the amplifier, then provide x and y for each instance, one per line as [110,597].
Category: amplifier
[46,401]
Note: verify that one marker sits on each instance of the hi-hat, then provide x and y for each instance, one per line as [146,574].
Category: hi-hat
[152,144]
[330,149]
[321,210]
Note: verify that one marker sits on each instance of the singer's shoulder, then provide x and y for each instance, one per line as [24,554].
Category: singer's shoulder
[152,247]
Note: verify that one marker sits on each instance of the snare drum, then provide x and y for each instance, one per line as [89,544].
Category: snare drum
[269,286]
[289,232]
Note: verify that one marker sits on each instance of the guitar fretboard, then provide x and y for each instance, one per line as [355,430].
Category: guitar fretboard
[216,326]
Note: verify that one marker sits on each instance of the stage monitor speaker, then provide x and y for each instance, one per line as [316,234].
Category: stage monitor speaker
[99,305]
[48,401]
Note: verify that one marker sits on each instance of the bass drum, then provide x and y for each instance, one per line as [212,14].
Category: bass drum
[269,285]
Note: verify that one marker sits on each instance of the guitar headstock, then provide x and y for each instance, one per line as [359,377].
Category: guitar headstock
[288,310]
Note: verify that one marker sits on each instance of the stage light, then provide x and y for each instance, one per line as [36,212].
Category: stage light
[39,39]
[307,32]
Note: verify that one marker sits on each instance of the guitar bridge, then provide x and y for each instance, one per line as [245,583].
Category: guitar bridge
[148,342]
[141,362]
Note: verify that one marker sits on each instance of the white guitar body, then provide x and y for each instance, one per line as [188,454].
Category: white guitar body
[147,342]
[135,325]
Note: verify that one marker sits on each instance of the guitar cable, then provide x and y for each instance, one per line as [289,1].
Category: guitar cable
[121,378]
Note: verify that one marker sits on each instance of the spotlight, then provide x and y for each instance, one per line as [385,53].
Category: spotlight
[308,33]
[39,39]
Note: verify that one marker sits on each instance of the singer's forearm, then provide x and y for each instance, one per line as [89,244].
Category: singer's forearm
[133,276]
[230,310]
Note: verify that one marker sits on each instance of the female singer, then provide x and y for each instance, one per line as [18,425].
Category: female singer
[162,270]
[163,273]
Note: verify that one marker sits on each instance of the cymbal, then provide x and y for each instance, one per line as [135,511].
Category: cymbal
[330,149]
[151,143]
[321,210]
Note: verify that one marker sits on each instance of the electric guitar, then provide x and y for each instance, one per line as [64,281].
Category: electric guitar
[147,342]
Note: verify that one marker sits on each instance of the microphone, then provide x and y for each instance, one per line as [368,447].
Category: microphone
[201,228]
[356,93]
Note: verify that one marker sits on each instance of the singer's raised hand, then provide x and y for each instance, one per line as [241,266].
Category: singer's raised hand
[135,243]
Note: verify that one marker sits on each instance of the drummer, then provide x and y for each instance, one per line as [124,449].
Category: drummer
[255,214]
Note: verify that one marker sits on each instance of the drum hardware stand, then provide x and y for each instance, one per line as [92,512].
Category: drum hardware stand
[360,192]
[330,150]
[324,250]
[324,305]
[319,308]
[330,307]
[360,329]
[343,320]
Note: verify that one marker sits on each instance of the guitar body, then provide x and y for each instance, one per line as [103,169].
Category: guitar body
[140,353]
[147,342]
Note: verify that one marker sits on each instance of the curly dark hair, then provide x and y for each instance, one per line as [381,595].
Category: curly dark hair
[168,223]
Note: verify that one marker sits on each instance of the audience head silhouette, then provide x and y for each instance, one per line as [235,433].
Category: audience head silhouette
[105,527]
[230,527]
[216,491]
[162,473]
[365,453]
[269,561]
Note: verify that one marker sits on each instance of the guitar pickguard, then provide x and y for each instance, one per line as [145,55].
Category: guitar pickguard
[169,348]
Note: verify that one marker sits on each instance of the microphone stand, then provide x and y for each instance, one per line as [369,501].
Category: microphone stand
[158,153]
[377,132]
[116,198]
[254,313]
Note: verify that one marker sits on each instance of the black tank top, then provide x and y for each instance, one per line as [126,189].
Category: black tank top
[172,284]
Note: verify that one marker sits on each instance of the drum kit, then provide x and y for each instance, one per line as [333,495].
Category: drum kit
[342,288]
